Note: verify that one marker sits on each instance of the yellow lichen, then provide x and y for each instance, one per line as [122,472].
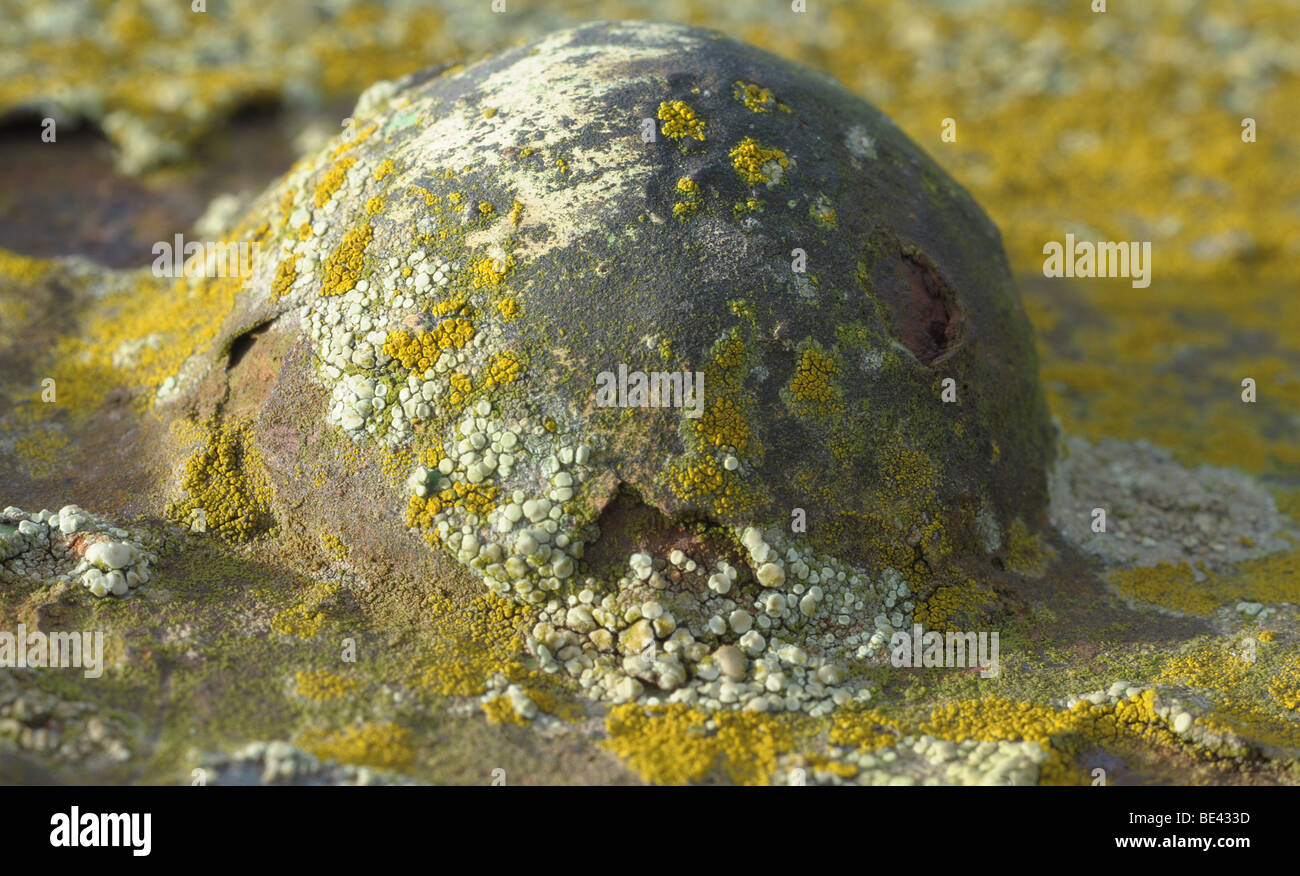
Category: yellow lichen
[509,308]
[756,98]
[321,686]
[1024,551]
[689,189]
[499,710]
[460,388]
[757,163]
[353,141]
[334,545]
[332,181]
[1275,578]
[418,353]
[383,746]
[225,486]
[285,275]
[305,620]
[673,745]
[503,371]
[813,389]
[475,641]
[343,267]
[958,606]
[680,120]
[465,497]
[487,271]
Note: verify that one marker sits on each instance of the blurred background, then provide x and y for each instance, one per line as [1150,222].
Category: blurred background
[1125,125]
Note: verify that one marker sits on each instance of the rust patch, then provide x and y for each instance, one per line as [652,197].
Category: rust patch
[928,321]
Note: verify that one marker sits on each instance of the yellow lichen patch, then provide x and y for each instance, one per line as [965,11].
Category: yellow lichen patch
[1024,551]
[901,524]
[138,335]
[225,486]
[430,199]
[382,746]
[286,206]
[751,743]
[723,424]
[396,463]
[728,353]
[1284,682]
[459,388]
[698,477]
[321,686]
[418,353]
[560,705]
[22,269]
[1275,578]
[305,620]
[1208,667]
[485,209]
[757,163]
[1255,724]
[285,274]
[40,452]
[959,606]
[757,98]
[673,745]
[508,308]
[504,369]
[432,456]
[667,745]
[353,141]
[473,642]
[680,120]
[332,181]
[516,214]
[500,711]
[374,206]
[469,498]
[866,729]
[385,168]
[343,267]
[1061,732]
[487,271]
[304,231]
[689,190]
[814,391]
[334,545]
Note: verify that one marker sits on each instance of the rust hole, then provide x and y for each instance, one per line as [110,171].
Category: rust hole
[928,321]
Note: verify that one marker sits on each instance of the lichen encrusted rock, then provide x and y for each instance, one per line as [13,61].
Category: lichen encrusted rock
[448,282]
